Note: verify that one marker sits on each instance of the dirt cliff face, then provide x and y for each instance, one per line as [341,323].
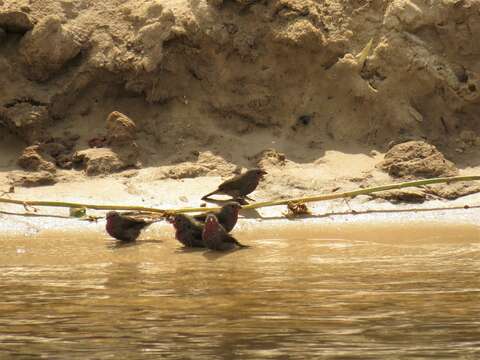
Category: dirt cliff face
[236,76]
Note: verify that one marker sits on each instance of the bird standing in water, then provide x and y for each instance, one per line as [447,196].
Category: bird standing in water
[239,186]
[215,237]
[123,227]
[227,216]
[188,231]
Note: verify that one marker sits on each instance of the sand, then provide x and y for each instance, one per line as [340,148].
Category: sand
[214,87]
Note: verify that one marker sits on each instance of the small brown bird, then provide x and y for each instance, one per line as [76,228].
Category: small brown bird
[188,230]
[227,216]
[215,237]
[241,185]
[123,227]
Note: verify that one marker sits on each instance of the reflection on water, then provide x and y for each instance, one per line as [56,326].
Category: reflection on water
[376,294]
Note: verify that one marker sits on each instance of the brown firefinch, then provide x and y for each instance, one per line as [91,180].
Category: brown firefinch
[241,185]
[125,228]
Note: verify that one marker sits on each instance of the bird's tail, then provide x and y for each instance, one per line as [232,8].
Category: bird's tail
[240,245]
[229,238]
[210,194]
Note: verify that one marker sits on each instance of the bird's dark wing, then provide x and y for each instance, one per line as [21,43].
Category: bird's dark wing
[192,236]
[229,187]
[231,184]
[132,223]
[197,230]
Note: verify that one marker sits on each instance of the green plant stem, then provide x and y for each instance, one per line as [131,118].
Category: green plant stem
[80,205]
[351,194]
[166,212]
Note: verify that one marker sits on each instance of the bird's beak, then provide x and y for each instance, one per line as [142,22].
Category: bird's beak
[263,172]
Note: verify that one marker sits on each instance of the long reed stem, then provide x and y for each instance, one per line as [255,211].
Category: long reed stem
[324,197]
[351,194]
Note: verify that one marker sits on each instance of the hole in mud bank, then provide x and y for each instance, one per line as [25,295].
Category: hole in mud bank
[305,119]
[472,88]
[302,121]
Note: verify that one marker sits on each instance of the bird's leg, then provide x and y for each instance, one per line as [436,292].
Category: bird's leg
[348,204]
[241,200]
[249,198]
[28,207]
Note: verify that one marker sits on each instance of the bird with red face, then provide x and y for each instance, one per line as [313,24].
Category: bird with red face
[187,230]
[215,237]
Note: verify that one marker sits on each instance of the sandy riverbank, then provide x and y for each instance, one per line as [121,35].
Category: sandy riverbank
[215,87]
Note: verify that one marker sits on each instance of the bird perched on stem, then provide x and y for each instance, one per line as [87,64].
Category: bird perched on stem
[241,185]
[125,228]
[215,237]
[188,231]
[227,216]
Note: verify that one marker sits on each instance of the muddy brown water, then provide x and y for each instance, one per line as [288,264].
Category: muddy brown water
[409,292]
